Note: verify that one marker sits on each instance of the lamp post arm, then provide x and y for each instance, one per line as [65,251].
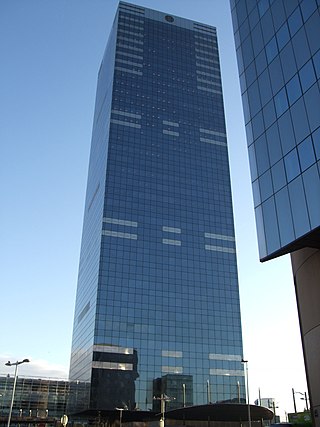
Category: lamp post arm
[13,393]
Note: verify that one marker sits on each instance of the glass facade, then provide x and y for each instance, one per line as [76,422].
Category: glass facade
[278,51]
[41,401]
[157,307]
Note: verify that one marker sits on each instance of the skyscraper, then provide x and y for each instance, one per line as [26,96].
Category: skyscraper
[278,49]
[157,305]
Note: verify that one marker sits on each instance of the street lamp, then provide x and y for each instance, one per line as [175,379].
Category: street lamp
[163,399]
[14,384]
[184,395]
[247,381]
[120,415]
[208,392]
[302,398]
[272,405]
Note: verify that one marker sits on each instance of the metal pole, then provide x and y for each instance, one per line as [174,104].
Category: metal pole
[13,393]
[208,392]
[184,395]
[274,410]
[162,410]
[184,402]
[238,388]
[259,397]
[249,413]
[305,396]
[247,380]
[294,401]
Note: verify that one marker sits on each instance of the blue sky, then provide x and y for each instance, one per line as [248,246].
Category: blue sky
[50,56]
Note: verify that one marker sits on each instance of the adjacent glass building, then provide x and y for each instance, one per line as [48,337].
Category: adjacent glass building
[157,307]
[278,49]
[36,401]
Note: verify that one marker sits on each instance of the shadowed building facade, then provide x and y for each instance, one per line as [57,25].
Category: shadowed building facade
[157,301]
[278,50]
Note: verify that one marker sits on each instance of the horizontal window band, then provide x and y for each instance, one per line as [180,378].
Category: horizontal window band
[212,132]
[171,229]
[204,73]
[132,26]
[112,349]
[168,353]
[209,67]
[127,18]
[166,122]
[119,234]
[212,141]
[205,46]
[125,46]
[227,372]
[133,12]
[125,113]
[209,82]
[172,369]
[129,55]
[205,52]
[219,237]
[120,222]
[208,46]
[220,249]
[131,7]
[171,242]
[132,33]
[230,357]
[205,37]
[206,89]
[203,28]
[121,122]
[212,61]
[131,40]
[123,61]
[170,132]
[112,366]
[127,70]
[204,32]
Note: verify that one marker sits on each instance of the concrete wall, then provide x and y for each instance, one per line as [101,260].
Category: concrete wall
[306,272]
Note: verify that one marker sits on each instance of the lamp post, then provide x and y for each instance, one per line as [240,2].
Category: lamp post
[14,384]
[247,381]
[302,398]
[163,399]
[120,415]
[272,405]
[238,391]
[208,392]
[184,395]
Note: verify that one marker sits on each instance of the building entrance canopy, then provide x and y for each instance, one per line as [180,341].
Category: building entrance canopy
[220,412]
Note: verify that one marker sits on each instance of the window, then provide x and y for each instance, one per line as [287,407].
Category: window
[284,216]
[295,21]
[283,36]
[307,8]
[278,176]
[281,102]
[271,49]
[306,153]
[307,76]
[292,165]
[294,89]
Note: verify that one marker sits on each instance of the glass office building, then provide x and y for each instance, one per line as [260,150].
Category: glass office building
[278,50]
[279,65]
[36,401]
[157,307]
